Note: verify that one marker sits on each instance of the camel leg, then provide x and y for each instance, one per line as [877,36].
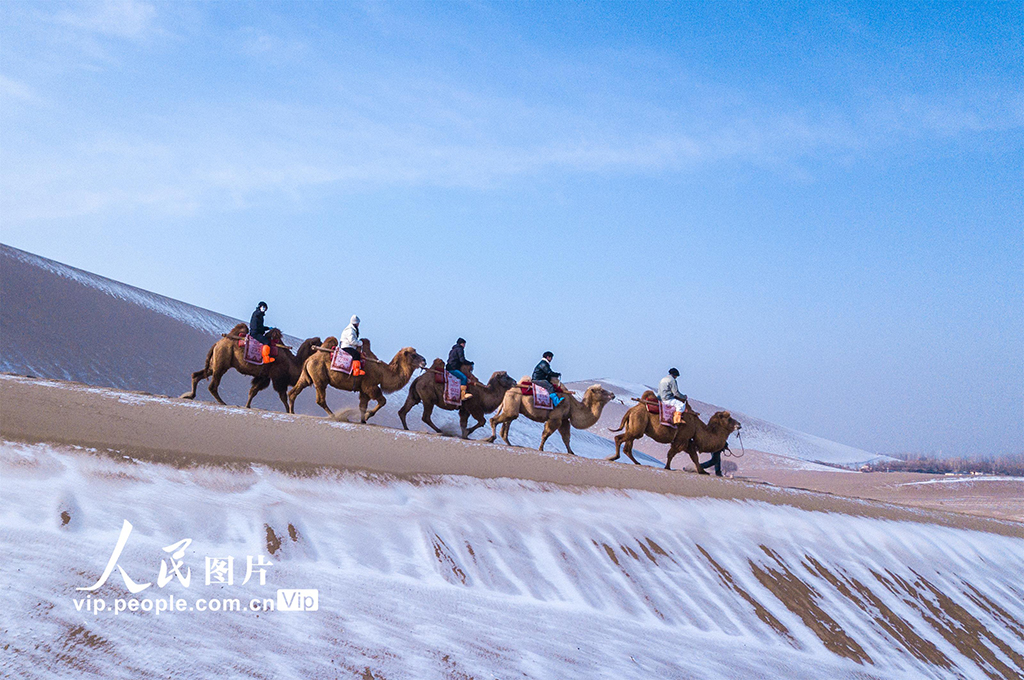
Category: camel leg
[428,408]
[214,384]
[378,396]
[549,429]
[565,429]
[504,431]
[673,449]
[494,423]
[321,397]
[464,421]
[282,392]
[196,378]
[303,383]
[479,423]
[410,401]
[627,448]
[619,438]
[259,384]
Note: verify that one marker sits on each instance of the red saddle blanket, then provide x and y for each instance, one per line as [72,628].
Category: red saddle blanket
[667,414]
[341,361]
[452,390]
[253,350]
[542,398]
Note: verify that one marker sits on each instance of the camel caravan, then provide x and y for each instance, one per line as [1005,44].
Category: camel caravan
[349,364]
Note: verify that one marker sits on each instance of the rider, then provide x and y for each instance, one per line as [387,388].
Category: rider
[350,344]
[456,360]
[668,391]
[544,376]
[259,331]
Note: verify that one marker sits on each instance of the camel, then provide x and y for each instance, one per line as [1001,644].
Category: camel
[579,414]
[691,435]
[711,438]
[481,399]
[639,422]
[227,354]
[380,379]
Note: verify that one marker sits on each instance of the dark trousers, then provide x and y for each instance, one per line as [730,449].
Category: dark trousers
[716,460]
[352,352]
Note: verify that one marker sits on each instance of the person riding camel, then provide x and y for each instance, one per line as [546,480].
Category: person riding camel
[456,360]
[349,343]
[258,330]
[544,376]
[668,392]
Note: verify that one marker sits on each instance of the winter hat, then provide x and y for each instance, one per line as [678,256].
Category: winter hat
[354,320]
[674,372]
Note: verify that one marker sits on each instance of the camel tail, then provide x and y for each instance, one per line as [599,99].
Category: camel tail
[625,417]
[209,360]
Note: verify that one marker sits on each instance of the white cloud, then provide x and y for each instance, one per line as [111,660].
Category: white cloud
[117,18]
[16,89]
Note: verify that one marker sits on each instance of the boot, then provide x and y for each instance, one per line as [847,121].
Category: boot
[267,359]
[356,368]
[677,417]
[464,395]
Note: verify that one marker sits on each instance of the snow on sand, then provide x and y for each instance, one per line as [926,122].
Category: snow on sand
[448,576]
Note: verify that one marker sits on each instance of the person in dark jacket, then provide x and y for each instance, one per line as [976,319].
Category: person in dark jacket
[457,359]
[543,375]
[258,330]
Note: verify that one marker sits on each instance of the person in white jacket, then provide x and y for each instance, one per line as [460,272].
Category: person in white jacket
[668,391]
[349,343]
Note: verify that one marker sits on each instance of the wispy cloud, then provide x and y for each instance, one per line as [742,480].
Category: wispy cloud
[118,18]
[16,89]
[375,125]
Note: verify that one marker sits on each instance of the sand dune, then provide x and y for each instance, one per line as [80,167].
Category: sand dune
[435,557]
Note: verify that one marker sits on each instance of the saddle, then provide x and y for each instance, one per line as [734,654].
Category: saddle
[452,389]
[253,349]
[341,361]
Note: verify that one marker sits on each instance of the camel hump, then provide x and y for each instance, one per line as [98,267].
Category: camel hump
[330,343]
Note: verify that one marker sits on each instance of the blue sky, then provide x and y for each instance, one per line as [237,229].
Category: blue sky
[813,210]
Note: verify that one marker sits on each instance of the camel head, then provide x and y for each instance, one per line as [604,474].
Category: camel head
[723,420]
[501,379]
[409,356]
[597,394]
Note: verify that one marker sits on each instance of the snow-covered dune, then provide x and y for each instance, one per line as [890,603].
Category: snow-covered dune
[453,577]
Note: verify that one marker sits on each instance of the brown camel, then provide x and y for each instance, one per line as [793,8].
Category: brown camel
[481,399]
[691,435]
[226,354]
[710,438]
[639,422]
[578,414]
[380,379]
